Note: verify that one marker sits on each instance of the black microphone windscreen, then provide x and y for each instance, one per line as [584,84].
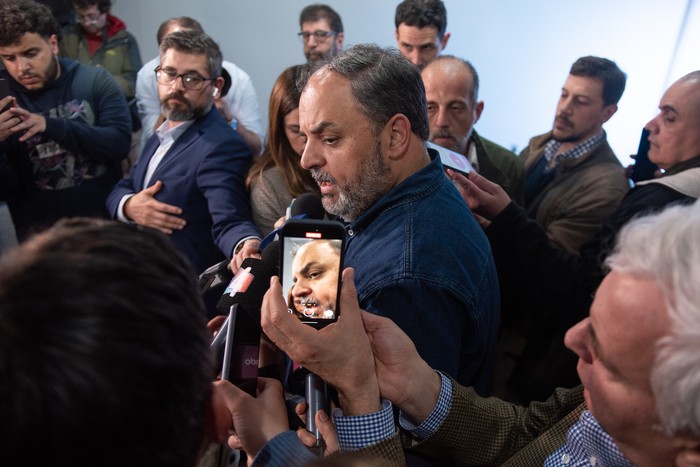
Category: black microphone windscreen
[271,255]
[309,204]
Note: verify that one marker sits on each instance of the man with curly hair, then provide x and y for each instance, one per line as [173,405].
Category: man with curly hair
[66,129]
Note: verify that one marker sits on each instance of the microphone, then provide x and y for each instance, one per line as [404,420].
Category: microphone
[316,392]
[254,275]
[306,205]
[309,204]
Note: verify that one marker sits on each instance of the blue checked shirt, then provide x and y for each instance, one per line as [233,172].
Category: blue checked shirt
[587,445]
[360,431]
[579,150]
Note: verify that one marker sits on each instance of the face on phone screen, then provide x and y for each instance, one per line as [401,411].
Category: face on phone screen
[311,276]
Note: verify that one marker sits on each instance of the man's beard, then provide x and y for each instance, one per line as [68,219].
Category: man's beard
[51,74]
[181,114]
[458,145]
[573,136]
[356,196]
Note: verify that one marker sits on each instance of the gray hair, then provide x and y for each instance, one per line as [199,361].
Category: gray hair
[666,248]
[384,84]
[195,43]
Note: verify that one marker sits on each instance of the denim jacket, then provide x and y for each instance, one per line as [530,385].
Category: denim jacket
[422,260]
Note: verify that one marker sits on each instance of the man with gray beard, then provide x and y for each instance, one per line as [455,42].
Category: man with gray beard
[190,181]
[419,256]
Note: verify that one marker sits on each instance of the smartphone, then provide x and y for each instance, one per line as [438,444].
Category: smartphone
[452,160]
[4,92]
[236,350]
[311,265]
[643,168]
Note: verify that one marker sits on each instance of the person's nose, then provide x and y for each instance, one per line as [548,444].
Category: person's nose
[300,289]
[414,57]
[652,125]
[23,64]
[578,339]
[312,41]
[179,84]
[566,106]
[441,120]
[311,157]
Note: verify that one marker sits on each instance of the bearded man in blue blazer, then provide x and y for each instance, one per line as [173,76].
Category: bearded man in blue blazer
[189,181]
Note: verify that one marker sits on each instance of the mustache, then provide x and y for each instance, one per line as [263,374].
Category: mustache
[563,119]
[178,96]
[443,134]
[307,301]
[321,176]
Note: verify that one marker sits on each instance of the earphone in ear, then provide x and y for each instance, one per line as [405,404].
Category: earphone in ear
[215,92]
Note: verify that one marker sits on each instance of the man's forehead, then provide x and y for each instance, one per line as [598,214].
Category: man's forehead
[627,317]
[584,85]
[683,98]
[87,9]
[172,58]
[441,74]
[414,35]
[26,41]
[320,24]
[324,91]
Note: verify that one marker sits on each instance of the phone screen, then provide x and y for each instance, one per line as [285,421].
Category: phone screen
[643,169]
[311,269]
[452,160]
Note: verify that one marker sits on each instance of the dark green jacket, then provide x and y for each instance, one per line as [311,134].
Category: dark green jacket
[500,166]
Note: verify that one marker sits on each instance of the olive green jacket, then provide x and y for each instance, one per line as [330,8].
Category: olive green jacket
[490,432]
[119,54]
[583,193]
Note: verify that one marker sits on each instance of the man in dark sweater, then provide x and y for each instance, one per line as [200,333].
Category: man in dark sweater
[68,127]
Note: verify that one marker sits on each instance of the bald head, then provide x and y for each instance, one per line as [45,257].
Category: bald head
[673,133]
[451,89]
[454,68]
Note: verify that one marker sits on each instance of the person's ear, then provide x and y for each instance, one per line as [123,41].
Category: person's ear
[217,86]
[339,40]
[608,111]
[445,38]
[53,43]
[477,111]
[398,135]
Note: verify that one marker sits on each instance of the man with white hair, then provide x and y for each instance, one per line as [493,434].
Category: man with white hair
[639,403]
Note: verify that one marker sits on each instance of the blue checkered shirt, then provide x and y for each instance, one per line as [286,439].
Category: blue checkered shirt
[577,151]
[359,431]
[363,430]
[587,445]
[437,416]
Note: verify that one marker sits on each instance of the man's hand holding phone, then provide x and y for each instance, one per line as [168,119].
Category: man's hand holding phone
[8,121]
[340,353]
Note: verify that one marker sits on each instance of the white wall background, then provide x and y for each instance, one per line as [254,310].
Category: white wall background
[522,50]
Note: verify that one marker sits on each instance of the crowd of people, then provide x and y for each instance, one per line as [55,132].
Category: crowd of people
[126,181]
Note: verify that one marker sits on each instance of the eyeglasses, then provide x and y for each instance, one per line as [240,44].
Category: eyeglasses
[191,81]
[89,19]
[320,35]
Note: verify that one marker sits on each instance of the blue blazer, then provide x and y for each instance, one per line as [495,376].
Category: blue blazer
[204,174]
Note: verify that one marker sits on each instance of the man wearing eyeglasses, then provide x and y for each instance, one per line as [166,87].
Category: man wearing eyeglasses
[190,181]
[321,32]
[98,38]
